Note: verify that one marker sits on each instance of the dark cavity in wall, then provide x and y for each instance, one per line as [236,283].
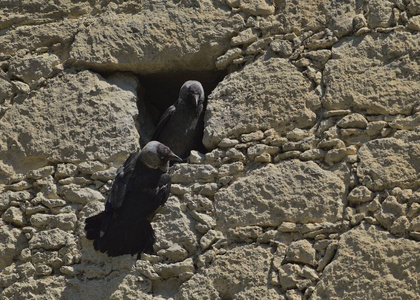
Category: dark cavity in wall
[159,91]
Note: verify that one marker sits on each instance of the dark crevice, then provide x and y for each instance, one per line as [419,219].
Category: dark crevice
[159,91]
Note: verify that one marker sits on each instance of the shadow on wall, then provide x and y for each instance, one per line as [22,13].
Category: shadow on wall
[99,276]
[159,91]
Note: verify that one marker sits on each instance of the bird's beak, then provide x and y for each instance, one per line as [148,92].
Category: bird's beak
[173,157]
[197,99]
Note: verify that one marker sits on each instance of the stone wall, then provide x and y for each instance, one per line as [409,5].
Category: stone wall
[310,188]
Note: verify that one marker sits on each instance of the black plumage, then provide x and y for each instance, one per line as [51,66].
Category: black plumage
[142,185]
[181,126]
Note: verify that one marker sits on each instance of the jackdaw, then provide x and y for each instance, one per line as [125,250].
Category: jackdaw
[142,185]
[181,126]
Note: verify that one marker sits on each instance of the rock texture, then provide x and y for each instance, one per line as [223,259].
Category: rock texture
[291,191]
[394,258]
[86,120]
[308,187]
[266,85]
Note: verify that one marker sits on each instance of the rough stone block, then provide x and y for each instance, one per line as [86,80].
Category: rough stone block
[264,196]
[348,277]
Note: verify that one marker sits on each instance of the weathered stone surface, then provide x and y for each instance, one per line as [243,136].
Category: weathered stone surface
[186,173]
[172,226]
[229,275]
[257,7]
[83,195]
[64,130]
[105,175]
[65,170]
[90,167]
[244,37]
[301,252]
[360,194]
[300,17]
[380,13]
[390,162]
[209,238]
[31,37]
[174,253]
[391,72]
[14,216]
[64,221]
[291,191]
[51,239]
[6,90]
[13,241]
[50,287]
[289,275]
[353,121]
[375,127]
[390,211]
[281,47]
[244,102]
[190,38]
[175,269]
[32,69]
[10,196]
[70,119]
[340,16]
[41,173]
[223,61]
[349,277]
[197,288]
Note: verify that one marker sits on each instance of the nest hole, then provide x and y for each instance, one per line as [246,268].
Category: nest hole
[159,91]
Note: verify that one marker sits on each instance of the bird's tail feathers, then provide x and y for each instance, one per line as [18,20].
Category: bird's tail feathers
[93,226]
[136,240]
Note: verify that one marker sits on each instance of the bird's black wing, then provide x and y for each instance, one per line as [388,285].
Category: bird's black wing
[122,182]
[162,193]
[163,120]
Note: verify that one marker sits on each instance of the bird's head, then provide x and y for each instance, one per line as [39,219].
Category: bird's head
[156,155]
[192,92]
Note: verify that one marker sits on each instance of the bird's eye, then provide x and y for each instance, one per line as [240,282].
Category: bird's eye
[162,157]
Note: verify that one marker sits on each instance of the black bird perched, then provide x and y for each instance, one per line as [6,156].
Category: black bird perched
[142,185]
[181,126]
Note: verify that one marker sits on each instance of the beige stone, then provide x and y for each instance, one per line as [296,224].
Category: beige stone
[327,90]
[353,121]
[83,195]
[64,221]
[265,195]
[41,173]
[347,74]
[349,277]
[6,90]
[14,216]
[223,61]
[51,239]
[172,226]
[35,36]
[281,47]
[301,252]
[175,269]
[32,69]
[247,36]
[181,173]
[229,274]
[229,110]
[257,7]
[58,109]
[389,162]
[13,241]
[174,253]
[155,38]
[360,194]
